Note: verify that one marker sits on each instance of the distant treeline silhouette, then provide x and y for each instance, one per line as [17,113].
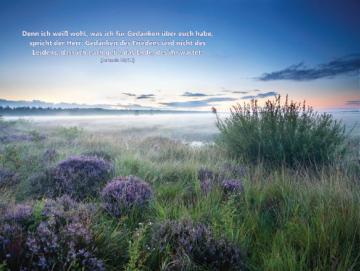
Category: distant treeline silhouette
[27,110]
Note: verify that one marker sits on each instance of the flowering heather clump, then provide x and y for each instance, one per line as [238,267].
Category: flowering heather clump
[7,178]
[61,241]
[11,138]
[187,239]
[206,178]
[41,184]
[77,233]
[205,174]
[125,193]
[19,213]
[12,242]
[59,249]
[64,203]
[232,186]
[232,171]
[66,210]
[80,176]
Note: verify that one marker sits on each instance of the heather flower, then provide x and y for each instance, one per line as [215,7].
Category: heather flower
[205,174]
[65,210]
[124,193]
[41,184]
[80,176]
[12,245]
[7,178]
[14,138]
[62,239]
[230,170]
[232,186]
[76,232]
[206,178]
[20,213]
[21,137]
[60,248]
[187,239]
[44,241]
[87,259]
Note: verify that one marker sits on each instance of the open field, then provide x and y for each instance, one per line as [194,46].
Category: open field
[186,126]
[279,219]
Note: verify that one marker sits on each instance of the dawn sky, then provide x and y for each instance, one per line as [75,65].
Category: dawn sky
[307,49]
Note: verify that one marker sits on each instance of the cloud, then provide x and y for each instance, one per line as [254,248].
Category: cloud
[260,95]
[129,94]
[135,107]
[267,94]
[234,91]
[299,72]
[219,99]
[353,102]
[145,96]
[186,104]
[239,92]
[194,94]
[248,97]
[199,103]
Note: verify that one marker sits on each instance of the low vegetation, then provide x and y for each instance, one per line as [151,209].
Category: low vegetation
[74,200]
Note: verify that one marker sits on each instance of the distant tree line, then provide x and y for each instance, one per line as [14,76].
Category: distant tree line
[28,110]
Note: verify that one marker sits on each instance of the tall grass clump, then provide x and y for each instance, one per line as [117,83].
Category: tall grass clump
[288,133]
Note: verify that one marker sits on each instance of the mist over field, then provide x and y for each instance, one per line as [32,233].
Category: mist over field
[198,127]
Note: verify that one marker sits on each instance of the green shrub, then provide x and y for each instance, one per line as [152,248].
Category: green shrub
[287,133]
[186,245]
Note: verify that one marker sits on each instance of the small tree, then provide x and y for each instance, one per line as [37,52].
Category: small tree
[290,133]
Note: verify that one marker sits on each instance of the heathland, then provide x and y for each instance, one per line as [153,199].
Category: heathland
[276,188]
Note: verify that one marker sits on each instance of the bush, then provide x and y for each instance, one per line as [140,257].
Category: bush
[40,184]
[229,178]
[229,170]
[60,241]
[8,178]
[20,213]
[206,178]
[80,176]
[289,133]
[230,186]
[125,193]
[184,239]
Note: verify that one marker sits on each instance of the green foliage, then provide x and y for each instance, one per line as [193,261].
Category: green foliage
[37,213]
[136,252]
[69,133]
[282,133]
[111,238]
[10,157]
[284,219]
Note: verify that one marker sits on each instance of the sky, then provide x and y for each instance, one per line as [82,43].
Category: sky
[260,48]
